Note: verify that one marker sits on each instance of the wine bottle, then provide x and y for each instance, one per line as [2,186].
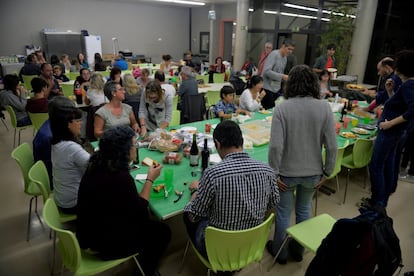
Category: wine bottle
[343,112]
[205,156]
[194,152]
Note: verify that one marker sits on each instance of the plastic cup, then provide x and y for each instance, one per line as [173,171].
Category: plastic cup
[346,122]
[169,177]
[367,120]
[338,126]
[354,122]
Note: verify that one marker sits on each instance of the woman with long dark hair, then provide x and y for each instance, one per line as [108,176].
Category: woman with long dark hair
[252,96]
[113,217]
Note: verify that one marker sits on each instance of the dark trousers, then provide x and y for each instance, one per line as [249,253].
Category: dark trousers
[269,99]
[196,233]
[408,155]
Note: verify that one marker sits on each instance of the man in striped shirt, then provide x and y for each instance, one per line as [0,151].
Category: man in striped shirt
[235,194]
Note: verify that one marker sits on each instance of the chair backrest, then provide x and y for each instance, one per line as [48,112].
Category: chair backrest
[193,108]
[175,120]
[233,250]
[24,157]
[67,243]
[362,152]
[67,89]
[218,78]
[175,102]
[338,160]
[27,79]
[38,119]
[39,176]
[72,75]
[213,97]
[12,114]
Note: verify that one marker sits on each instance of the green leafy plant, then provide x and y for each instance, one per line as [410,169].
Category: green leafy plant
[339,30]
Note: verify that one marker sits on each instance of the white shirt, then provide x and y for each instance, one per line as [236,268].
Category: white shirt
[247,102]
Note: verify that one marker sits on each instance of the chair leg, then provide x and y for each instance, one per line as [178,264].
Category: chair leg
[54,253]
[316,201]
[346,185]
[138,265]
[29,219]
[19,137]
[278,252]
[4,123]
[337,187]
[37,213]
[184,255]
[14,139]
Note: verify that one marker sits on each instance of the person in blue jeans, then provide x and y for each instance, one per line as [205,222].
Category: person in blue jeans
[301,125]
[398,113]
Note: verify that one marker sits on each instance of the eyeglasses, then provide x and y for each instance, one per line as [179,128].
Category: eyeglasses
[76,121]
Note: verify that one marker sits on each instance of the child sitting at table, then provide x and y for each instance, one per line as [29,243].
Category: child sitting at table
[226,107]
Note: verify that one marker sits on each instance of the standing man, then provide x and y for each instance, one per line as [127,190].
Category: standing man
[188,85]
[263,56]
[235,194]
[53,87]
[273,72]
[325,61]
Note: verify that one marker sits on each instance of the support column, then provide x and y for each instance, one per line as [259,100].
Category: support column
[241,33]
[360,45]
[211,42]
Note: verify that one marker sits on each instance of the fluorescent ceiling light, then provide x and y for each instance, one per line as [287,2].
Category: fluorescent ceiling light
[183,2]
[293,6]
[295,15]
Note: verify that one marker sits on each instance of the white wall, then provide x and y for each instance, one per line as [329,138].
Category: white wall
[138,26]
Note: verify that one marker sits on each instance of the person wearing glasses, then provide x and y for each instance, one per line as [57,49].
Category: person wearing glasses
[115,112]
[69,158]
[155,109]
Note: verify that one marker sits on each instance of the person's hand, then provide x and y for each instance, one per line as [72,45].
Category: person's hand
[248,113]
[136,128]
[262,94]
[143,131]
[389,86]
[320,183]
[154,172]
[282,186]
[193,185]
[385,125]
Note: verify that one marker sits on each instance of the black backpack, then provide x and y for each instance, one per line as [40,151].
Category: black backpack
[238,84]
[364,245]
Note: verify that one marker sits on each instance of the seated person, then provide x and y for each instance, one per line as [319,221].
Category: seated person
[252,96]
[120,62]
[115,112]
[226,107]
[168,88]
[42,142]
[57,73]
[144,79]
[53,87]
[324,84]
[235,194]
[69,158]
[189,85]
[30,67]
[155,109]
[83,78]
[115,75]
[14,95]
[99,63]
[94,94]
[82,62]
[113,218]
[38,104]
[166,65]
[219,66]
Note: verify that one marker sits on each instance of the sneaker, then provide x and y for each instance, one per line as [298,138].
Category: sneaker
[407,178]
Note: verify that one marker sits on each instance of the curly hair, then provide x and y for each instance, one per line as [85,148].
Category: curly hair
[302,82]
[97,81]
[404,61]
[130,84]
[154,87]
[114,150]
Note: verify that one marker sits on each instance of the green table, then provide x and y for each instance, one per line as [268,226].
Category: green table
[165,208]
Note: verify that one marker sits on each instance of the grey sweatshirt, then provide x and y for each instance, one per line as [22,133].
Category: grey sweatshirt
[300,127]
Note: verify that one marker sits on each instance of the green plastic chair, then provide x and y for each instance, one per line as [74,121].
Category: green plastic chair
[213,97]
[27,81]
[202,77]
[39,176]
[38,119]
[67,89]
[218,78]
[78,261]
[175,120]
[336,171]
[233,250]
[358,158]
[24,157]
[308,233]
[175,102]
[72,75]
[13,121]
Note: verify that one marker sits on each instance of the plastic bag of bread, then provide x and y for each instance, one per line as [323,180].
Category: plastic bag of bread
[172,158]
[165,143]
